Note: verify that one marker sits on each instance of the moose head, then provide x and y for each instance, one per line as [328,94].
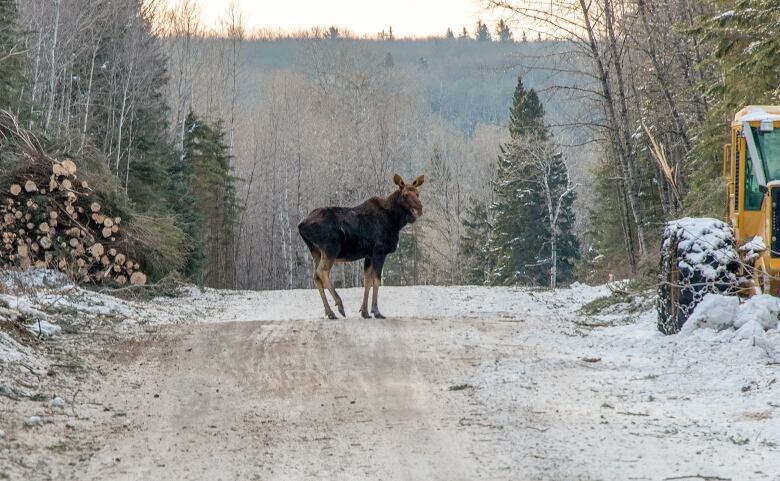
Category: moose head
[408,199]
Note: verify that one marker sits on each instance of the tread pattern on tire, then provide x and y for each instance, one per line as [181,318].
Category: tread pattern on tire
[698,257]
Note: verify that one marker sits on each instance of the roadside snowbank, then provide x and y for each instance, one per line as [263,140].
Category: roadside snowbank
[757,317]
[44,302]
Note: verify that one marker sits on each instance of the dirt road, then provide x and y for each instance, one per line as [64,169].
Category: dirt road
[292,400]
[484,383]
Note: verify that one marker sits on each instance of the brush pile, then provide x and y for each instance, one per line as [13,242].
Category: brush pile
[50,218]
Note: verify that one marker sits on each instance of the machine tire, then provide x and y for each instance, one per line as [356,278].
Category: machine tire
[698,256]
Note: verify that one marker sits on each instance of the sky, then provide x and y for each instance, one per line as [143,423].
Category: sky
[409,18]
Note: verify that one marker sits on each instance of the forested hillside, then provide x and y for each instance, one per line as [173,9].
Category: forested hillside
[216,143]
[321,119]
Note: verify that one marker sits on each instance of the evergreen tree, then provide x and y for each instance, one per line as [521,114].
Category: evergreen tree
[464,34]
[482,33]
[12,77]
[745,43]
[526,116]
[516,240]
[205,169]
[567,246]
[449,35]
[533,207]
[332,33]
[476,255]
[502,31]
[408,265]
[607,234]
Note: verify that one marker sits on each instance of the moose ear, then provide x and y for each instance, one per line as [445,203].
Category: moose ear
[398,180]
[418,181]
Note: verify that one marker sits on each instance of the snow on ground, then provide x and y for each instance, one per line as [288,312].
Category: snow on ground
[417,301]
[718,383]
[754,320]
[577,386]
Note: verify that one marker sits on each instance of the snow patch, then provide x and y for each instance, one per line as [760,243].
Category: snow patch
[44,329]
[750,329]
[719,313]
[22,282]
[763,309]
[753,248]
[724,15]
[755,114]
[715,311]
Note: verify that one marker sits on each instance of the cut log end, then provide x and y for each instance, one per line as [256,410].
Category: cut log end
[138,279]
[70,167]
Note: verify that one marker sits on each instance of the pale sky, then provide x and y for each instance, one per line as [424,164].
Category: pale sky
[362,17]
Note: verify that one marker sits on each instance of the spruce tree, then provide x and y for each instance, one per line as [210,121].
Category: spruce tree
[567,246]
[526,116]
[531,177]
[449,35]
[207,181]
[517,238]
[745,45]
[482,33]
[502,31]
[477,261]
[409,263]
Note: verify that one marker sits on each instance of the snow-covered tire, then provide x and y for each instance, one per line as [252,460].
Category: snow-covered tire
[698,256]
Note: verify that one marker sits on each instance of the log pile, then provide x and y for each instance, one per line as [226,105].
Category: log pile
[48,218]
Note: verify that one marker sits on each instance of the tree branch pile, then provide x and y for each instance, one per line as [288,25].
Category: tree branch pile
[51,218]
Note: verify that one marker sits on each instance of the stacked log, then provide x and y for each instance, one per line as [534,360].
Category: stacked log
[48,218]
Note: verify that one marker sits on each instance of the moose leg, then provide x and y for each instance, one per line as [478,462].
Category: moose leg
[318,285]
[323,271]
[368,279]
[376,267]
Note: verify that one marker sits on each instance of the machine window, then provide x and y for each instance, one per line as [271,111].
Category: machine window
[769,149]
[753,194]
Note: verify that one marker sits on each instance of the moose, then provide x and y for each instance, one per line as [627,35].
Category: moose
[369,231]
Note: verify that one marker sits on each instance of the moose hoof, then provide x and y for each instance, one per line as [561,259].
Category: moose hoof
[330,315]
[341,311]
[365,314]
[378,315]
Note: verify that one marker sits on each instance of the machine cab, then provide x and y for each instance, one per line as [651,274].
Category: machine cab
[752,167]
